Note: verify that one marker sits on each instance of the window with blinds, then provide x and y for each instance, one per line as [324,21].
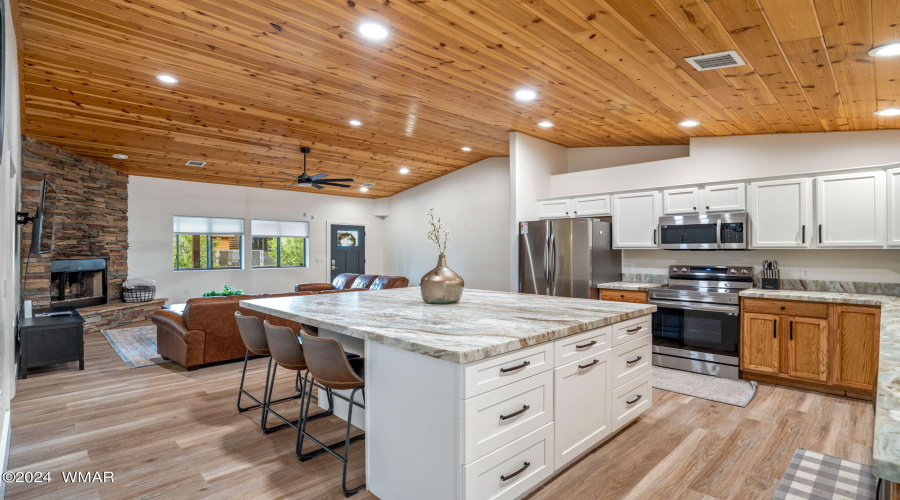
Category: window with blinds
[278,243]
[207,243]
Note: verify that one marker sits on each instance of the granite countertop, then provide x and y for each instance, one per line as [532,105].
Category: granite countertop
[629,285]
[483,324]
[886,448]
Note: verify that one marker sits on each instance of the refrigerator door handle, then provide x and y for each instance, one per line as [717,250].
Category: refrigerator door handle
[547,258]
[552,283]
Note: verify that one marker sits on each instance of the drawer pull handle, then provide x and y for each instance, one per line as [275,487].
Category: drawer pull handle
[585,346]
[515,413]
[633,401]
[592,363]
[516,473]
[514,368]
[635,329]
[633,361]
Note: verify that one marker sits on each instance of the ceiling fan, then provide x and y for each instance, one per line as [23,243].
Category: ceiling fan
[317,181]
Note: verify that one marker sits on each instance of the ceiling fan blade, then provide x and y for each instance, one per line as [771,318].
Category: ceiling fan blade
[287,174]
[332,184]
[317,185]
[318,176]
[337,180]
[292,185]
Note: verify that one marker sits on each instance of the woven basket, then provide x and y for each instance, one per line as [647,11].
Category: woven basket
[139,293]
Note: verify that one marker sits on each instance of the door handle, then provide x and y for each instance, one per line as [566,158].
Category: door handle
[516,473]
[633,361]
[514,368]
[654,237]
[585,346]
[775,329]
[633,401]
[820,234]
[803,234]
[792,330]
[592,363]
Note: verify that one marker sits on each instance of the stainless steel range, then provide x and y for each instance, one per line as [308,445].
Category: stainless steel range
[698,320]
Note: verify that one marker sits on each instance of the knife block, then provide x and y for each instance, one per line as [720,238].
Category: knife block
[771,284]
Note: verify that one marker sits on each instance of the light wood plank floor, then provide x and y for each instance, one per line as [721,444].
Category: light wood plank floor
[169,433]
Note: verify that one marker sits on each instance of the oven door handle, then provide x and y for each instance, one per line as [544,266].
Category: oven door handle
[731,310]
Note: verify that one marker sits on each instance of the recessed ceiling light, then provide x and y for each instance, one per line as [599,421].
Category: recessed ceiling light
[466,149]
[889,50]
[363,189]
[526,95]
[689,123]
[545,124]
[355,123]
[888,112]
[167,78]
[373,31]
[120,156]
[404,170]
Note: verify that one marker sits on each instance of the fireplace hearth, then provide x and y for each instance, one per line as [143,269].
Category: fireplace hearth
[78,282]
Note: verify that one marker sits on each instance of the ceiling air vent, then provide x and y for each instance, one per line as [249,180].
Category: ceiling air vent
[367,184]
[195,163]
[718,60]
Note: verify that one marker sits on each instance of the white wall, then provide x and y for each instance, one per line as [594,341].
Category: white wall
[719,159]
[153,202]
[877,266]
[580,159]
[532,164]
[10,188]
[473,204]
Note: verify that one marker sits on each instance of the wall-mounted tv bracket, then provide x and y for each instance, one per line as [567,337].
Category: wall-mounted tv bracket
[23,218]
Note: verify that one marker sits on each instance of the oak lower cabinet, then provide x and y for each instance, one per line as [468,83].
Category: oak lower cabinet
[813,345]
[634,296]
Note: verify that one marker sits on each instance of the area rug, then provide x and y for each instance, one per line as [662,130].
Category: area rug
[812,475]
[722,390]
[136,345]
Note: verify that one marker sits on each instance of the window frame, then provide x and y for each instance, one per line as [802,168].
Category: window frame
[209,253]
[278,253]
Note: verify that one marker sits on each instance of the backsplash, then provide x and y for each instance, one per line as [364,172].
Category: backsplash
[645,278]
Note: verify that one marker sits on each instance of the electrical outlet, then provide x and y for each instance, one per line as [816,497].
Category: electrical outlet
[804,274]
[629,268]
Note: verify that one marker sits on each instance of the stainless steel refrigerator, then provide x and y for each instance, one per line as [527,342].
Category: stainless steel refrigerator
[567,257]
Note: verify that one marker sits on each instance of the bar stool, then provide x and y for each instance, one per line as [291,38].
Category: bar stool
[254,339]
[329,367]
[288,354]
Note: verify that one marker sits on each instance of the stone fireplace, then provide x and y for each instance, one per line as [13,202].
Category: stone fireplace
[78,282]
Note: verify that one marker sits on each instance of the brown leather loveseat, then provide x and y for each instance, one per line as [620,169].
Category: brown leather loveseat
[206,331]
[349,282]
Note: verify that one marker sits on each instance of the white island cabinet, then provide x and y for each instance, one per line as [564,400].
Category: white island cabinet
[487,398]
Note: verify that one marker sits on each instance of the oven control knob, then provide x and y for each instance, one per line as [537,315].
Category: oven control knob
[674,269]
[684,269]
[743,271]
[732,271]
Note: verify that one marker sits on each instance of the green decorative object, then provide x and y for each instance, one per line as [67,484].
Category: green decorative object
[227,291]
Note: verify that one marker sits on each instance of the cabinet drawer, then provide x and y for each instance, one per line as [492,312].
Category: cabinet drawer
[636,296]
[631,400]
[584,344]
[501,416]
[582,415]
[631,329]
[785,307]
[631,360]
[491,373]
[514,469]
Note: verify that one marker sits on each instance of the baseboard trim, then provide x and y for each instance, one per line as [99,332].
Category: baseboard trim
[5,432]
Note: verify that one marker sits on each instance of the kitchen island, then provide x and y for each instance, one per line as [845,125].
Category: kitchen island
[487,398]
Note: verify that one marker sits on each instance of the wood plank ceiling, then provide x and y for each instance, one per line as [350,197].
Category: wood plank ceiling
[260,78]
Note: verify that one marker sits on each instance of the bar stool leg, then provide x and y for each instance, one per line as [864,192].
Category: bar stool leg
[242,392]
[346,458]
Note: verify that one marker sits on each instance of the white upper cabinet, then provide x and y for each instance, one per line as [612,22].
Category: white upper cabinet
[554,209]
[781,213]
[724,198]
[588,206]
[681,201]
[850,210]
[636,220]
[893,207]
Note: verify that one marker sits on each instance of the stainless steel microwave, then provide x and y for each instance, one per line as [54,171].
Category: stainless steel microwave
[725,231]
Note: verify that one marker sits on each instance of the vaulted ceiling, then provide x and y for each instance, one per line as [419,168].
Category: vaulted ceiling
[260,78]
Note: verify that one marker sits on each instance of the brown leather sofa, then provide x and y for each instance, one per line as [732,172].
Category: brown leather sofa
[349,282]
[206,331]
